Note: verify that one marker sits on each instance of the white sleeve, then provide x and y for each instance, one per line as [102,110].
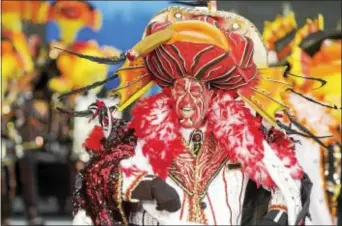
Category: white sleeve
[277,200]
[288,187]
[81,218]
[134,170]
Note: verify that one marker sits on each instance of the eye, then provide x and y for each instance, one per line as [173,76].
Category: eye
[235,27]
[196,93]
[180,92]
[178,16]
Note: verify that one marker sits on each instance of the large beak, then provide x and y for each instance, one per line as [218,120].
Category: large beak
[185,31]
[182,31]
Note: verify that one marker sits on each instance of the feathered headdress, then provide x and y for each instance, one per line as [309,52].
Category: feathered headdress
[282,35]
[222,49]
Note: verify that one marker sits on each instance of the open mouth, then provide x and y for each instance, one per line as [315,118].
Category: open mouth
[187,112]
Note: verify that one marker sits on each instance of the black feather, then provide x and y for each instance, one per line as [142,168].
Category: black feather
[306,131]
[290,131]
[100,60]
[323,82]
[312,43]
[314,101]
[86,88]
[85,113]
[288,73]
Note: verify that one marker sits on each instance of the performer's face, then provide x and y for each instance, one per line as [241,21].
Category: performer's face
[192,100]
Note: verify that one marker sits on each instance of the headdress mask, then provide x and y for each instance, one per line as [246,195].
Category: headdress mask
[220,50]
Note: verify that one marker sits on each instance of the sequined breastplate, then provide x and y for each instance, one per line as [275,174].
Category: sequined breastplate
[195,173]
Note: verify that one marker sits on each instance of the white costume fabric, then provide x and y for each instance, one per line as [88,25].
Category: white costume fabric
[310,158]
[223,200]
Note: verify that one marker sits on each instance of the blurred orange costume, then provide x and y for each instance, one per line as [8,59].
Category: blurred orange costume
[310,53]
[71,17]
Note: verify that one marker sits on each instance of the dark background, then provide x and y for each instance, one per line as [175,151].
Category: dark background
[259,11]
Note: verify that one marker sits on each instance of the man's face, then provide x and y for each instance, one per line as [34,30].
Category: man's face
[192,100]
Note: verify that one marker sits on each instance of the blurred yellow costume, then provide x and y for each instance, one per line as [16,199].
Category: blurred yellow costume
[77,72]
[317,108]
[71,17]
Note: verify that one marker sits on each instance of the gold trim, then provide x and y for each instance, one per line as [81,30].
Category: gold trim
[133,185]
[195,212]
[324,182]
[119,198]
[337,188]
[181,185]
[278,207]
[205,190]
[196,208]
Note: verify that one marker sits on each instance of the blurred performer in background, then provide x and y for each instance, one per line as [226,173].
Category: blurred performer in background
[12,68]
[71,17]
[204,151]
[44,131]
[319,56]
[76,73]
[283,34]
[14,14]
[18,59]
[311,52]
[17,65]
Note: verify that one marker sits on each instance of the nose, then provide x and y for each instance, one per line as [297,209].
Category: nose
[187,98]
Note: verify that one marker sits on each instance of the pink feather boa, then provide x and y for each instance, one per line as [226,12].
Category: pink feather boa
[229,120]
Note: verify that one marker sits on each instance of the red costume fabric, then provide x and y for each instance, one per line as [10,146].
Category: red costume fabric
[237,131]
[205,62]
[232,125]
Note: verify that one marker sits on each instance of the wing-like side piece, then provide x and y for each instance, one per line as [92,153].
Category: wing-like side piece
[266,96]
[134,82]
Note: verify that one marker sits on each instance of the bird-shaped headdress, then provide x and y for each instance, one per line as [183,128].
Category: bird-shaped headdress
[222,49]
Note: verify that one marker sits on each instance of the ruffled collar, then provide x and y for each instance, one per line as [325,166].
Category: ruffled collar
[231,123]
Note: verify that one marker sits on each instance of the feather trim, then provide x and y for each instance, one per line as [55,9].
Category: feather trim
[158,127]
[285,150]
[239,133]
[234,127]
[94,140]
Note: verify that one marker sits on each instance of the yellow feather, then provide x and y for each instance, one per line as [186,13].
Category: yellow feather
[267,94]
[136,96]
